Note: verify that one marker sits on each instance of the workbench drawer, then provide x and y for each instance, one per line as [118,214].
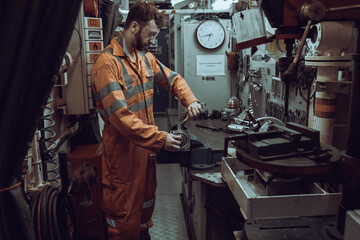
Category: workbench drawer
[254,203]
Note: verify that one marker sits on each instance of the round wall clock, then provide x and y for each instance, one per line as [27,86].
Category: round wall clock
[210,34]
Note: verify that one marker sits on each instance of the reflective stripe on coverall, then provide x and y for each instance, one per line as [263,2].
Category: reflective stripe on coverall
[123,90]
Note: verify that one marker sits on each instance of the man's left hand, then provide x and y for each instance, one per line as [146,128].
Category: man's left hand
[194,109]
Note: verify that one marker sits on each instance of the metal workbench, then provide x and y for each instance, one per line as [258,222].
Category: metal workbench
[214,138]
[209,204]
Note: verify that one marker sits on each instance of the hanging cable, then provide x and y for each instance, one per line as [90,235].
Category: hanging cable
[78,55]
[47,145]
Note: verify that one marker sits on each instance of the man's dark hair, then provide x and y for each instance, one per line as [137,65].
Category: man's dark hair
[142,13]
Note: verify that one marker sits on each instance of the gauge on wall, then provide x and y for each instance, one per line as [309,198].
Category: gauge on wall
[210,34]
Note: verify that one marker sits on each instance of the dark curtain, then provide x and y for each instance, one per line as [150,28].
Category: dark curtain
[34,37]
[111,18]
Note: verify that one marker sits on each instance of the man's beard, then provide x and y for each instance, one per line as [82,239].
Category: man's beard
[139,43]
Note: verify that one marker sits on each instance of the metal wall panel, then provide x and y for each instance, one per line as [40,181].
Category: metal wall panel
[212,89]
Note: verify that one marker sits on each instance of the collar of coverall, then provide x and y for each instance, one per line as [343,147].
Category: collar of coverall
[120,48]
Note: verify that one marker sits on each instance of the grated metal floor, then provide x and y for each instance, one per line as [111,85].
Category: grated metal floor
[168,217]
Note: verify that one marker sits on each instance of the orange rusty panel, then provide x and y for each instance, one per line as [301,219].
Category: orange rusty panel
[86,151]
[89,219]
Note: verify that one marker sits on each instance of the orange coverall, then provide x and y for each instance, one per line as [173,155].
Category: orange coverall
[123,91]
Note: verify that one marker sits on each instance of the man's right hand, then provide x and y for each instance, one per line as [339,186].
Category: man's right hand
[172,142]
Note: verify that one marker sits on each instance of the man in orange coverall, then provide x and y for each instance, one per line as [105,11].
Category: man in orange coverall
[122,81]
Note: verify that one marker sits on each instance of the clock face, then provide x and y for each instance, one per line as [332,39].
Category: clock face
[210,34]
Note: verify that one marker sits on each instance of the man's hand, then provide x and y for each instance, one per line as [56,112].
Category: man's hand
[194,109]
[172,142]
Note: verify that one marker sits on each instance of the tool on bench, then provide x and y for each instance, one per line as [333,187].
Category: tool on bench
[208,127]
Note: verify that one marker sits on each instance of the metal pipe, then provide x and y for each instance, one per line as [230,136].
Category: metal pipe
[36,161]
[180,11]
[335,9]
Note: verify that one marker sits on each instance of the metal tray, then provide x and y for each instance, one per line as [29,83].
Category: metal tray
[255,204]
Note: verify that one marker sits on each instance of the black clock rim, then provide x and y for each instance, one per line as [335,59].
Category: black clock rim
[196,30]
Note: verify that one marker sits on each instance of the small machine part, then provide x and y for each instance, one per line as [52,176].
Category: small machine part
[257,86]
[237,127]
[232,107]
[233,103]
[224,115]
[185,137]
[244,121]
[82,178]
[215,114]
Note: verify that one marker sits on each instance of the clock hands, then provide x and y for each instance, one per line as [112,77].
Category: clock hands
[207,35]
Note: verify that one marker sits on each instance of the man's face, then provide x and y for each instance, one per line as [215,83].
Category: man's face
[146,35]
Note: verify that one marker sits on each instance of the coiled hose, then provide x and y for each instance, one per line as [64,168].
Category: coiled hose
[48,146]
[52,210]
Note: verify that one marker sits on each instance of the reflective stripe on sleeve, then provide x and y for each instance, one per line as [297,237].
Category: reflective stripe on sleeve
[171,77]
[149,203]
[105,91]
[111,222]
[144,225]
[141,105]
[106,113]
[160,75]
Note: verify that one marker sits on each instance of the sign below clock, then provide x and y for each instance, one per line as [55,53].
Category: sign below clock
[213,65]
